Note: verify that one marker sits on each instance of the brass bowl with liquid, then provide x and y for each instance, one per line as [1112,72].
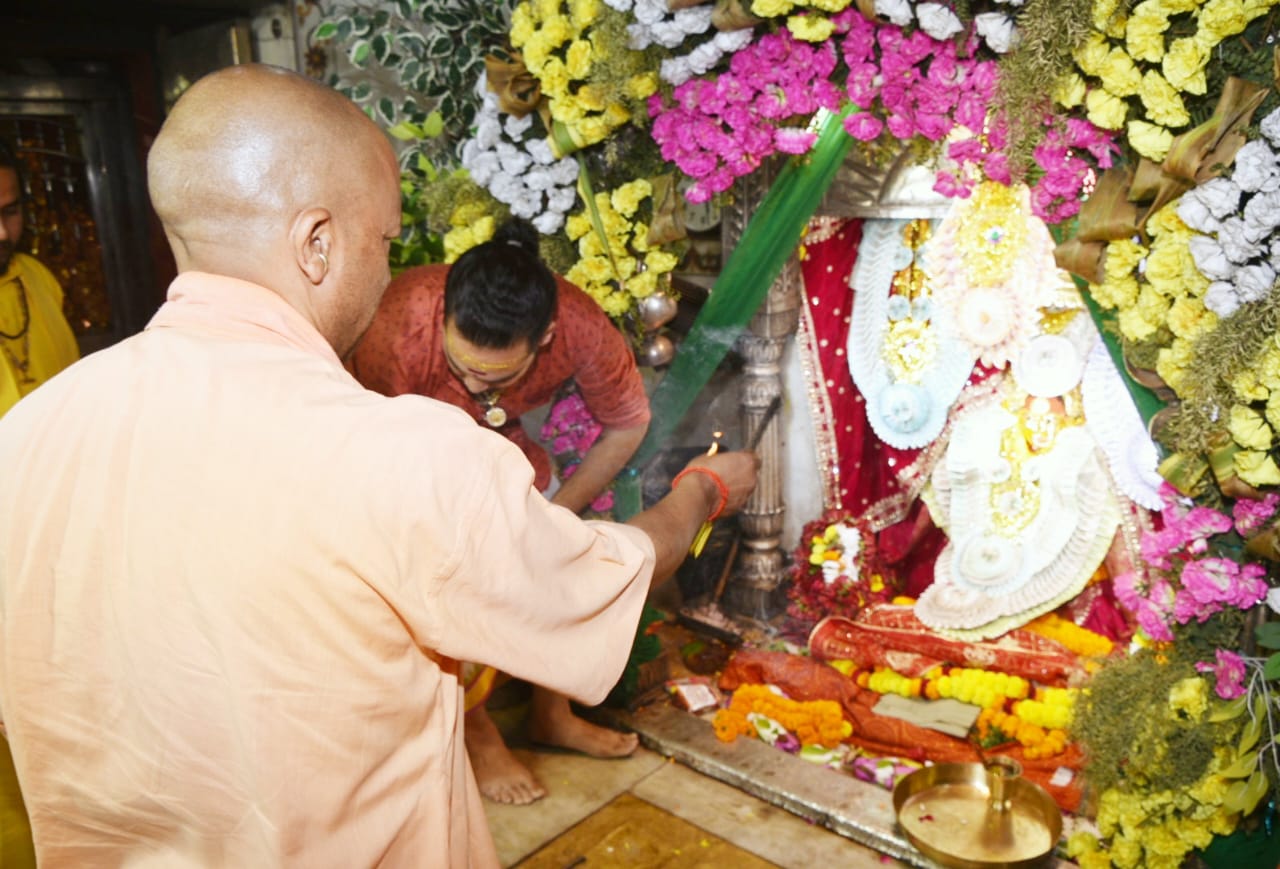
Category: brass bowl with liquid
[978,816]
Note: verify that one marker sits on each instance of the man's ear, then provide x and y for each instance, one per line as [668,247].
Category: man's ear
[547,335]
[311,239]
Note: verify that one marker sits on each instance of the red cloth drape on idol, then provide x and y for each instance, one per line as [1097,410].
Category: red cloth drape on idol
[861,475]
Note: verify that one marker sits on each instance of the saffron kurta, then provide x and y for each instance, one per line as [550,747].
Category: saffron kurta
[234,588]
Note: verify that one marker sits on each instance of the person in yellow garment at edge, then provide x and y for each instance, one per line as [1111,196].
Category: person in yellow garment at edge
[35,340]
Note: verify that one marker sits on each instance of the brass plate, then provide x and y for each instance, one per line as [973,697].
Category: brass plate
[945,811]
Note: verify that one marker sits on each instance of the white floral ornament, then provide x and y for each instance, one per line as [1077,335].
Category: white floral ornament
[903,414]
[1114,422]
[1049,366]
[521,173]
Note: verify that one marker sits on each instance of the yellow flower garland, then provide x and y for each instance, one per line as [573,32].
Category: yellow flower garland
[814,722]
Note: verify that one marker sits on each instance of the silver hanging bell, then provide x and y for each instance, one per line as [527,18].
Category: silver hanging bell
[655,350]
[657,310]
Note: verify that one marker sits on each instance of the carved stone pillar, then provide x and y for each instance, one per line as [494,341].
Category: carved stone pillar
[757,589]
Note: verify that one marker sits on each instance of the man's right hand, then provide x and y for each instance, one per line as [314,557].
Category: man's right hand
[737,470]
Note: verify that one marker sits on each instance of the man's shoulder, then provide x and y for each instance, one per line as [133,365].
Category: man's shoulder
[29,267]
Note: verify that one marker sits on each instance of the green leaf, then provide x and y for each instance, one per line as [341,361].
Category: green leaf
[1249,736]
[1268,635]
[380,19]
[441,46]
[326,30]
[359,52]
[387,109]
[405,132]
[1271,669]
[1243,765]
[434,125]
[361,91]
[1230,709]
[379,46]
[1254,791]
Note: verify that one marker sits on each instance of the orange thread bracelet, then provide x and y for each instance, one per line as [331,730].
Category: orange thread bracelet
[715,478]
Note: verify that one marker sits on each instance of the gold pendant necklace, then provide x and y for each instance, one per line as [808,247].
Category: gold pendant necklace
[495,416]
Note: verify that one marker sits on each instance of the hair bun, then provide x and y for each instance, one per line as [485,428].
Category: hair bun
[519,232]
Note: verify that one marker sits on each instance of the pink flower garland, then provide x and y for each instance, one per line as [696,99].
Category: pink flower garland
[571,430]
[1185,583]
[720,129]
[911,85]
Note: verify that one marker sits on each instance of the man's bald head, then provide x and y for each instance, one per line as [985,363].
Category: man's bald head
[247,146]
[264,175]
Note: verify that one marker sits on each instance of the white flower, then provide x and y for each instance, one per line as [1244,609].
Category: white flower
[1221,298]
[482,166]
[1238,241]
[540,151]
[562,200]
[1209,258]
[1220,195]
[527,204]
[938,21]
[565,171]
[1262,212]
[516,127]
[1256,167]
[997,30]
[1012,2]
[1273,599]
[619,5]
[1254,282]
[830,571]
[649,11]
[1275,253]
[549,222]
[1270,128]
[1196,214]
[897,11]
[504,188]
[488,131]
[538,179]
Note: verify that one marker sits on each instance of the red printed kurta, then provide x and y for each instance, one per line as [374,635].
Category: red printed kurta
[403,352]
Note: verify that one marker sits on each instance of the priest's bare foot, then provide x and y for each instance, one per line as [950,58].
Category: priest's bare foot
[552,722]
[500,776]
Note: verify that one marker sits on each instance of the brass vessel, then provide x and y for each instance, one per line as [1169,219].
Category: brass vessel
[978,815]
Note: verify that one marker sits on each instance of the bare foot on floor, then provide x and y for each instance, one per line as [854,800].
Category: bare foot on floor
[552,722]
[501,777]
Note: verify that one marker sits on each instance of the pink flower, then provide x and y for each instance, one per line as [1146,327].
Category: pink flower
[1230,672]
[1249,514]
[792,140]
[863,126]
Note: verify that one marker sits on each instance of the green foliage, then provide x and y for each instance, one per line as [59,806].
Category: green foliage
[412,63]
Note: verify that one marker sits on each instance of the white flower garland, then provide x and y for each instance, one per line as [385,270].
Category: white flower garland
[997,29]
[521,173]
[655,24]
[1239,248]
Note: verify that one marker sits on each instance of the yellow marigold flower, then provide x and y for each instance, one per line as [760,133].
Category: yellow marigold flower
[546,8]
[1257,469]
[577,59]
[1123,257]
[1248,387]
[626,266]
[1091,55]
[596,269]
[616,114]
[576,226]
[1126,854]
[1164,105]
[584,13]
[1188,318]
[1120,292]
[1175,7]
[1249,429]
[1166,223]
[521,25]
[642,85]
[1103,10]
[1222,18]
[1165,267]
[1184,65]
[660,261]
[627,198]
[772,8]
[554,78]
[830,5]
[618,304]
[1172,363]
[810,28]
[1069,91]
[1095,860]
[1144,31]
[1149,140]
[643,284]
[1105,109]
[1119,74]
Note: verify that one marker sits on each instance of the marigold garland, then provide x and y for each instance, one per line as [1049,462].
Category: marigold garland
[814,722]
